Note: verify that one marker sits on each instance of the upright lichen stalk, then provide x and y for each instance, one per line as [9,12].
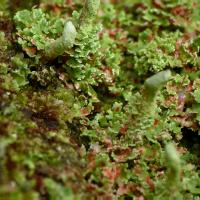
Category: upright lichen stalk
[89,12]
[154,83]
[174,166]
[67,40]
[143,107]
[172,187]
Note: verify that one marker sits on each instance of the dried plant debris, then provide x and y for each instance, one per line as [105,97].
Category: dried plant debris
[100,100]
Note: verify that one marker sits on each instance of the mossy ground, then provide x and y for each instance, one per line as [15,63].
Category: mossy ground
[87,123]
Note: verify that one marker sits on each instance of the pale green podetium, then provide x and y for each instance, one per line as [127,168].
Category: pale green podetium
[144,105]
[89,12]
[154,83]
[67,40]
[173,164]
[60,45]
[150,90]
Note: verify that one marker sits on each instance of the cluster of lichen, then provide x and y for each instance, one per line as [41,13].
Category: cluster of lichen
[99,99]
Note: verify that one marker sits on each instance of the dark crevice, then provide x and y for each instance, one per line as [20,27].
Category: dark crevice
[191,140]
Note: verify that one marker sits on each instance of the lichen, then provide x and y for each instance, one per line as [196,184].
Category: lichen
[99,99]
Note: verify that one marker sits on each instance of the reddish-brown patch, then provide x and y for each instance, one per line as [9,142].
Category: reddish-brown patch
[180,10]
[39,182]
[190,87]
[111,173]
[112,33]
[69,2]
[177,47]
[122,154]
[91,187]
[170,100]
[150,182]
[56,9]
[130,187]
[140,6]
[123,130]
[156,122]
[1,92]
[123,189]
[31,50]
[184,120]
[85,111]
[157,3]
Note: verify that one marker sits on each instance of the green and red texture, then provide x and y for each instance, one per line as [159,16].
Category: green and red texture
[99,100]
